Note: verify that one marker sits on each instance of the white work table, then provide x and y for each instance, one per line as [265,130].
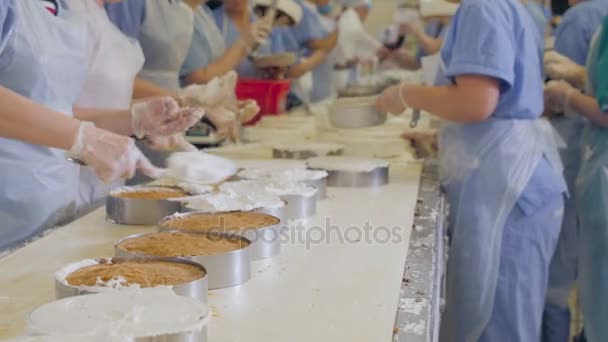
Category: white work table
[331,291]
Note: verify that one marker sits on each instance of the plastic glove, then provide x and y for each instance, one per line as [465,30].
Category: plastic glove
[226,122]
[560,67]
[425,144]
[391,100]
[219,91]
[173,143]
[557,96]
[258,32]
[162,116]
[247,110]
[111,156]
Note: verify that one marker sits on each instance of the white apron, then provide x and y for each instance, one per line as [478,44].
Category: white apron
[165,38]
[114,61]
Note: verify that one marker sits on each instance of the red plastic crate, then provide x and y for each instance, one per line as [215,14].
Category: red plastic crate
[270,95]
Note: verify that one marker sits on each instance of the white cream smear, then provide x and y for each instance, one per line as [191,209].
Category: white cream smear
[277,187]
[271,164]
[128,313]
[226,202]
[289,175]
[350,164]
[199,167]
[118,283]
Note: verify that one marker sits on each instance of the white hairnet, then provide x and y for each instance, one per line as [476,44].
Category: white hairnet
[437,8]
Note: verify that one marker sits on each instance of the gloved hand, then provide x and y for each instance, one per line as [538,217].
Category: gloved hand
[220,103]
[559,67]
[111,156]
[391,100]
[247,110]
[557,96]
[162,116]
[258,32]
[173,143]
[425,144]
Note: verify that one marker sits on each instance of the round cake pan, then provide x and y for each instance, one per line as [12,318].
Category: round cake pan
[135,211]
[320,184]
[196,289]
[356,113]
[224,270]
[300,206]
[265,241]
[278,153]
[350,179]
[278,212]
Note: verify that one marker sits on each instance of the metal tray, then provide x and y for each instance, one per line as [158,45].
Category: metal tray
[196,289]
[136,211]
[265,242]
[224,270]
[349,179]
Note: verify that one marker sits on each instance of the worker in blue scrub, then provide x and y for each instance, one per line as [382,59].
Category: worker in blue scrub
[42,71]
[499,167]
[537,13]
[573,35]
[235,17]
[314,39]
[591,184]
[572,40]
[209,56]
[127,15]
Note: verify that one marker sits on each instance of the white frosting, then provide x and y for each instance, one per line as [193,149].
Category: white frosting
[277,187]
[290,175]
[226,202]
[271,164]
[119,283]
[316,147]
[199,167]
[129,313]
[349,164]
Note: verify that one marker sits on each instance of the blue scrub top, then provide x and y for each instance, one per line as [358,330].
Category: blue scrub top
[199,56]
[536,12]
[436,29]
[573,35]
[128,16]
[7,18]
[275,44]
[504,47]
[309,28]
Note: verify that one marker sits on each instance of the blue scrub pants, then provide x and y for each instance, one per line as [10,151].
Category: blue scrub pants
[564,265]
[528,244]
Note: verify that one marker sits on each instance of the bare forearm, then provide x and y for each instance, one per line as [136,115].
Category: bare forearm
[316,59]
[429,44]
[405,60]
[118,122]
[22,119]
[143,89]
[587,106]
[229,61]
[451,103]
